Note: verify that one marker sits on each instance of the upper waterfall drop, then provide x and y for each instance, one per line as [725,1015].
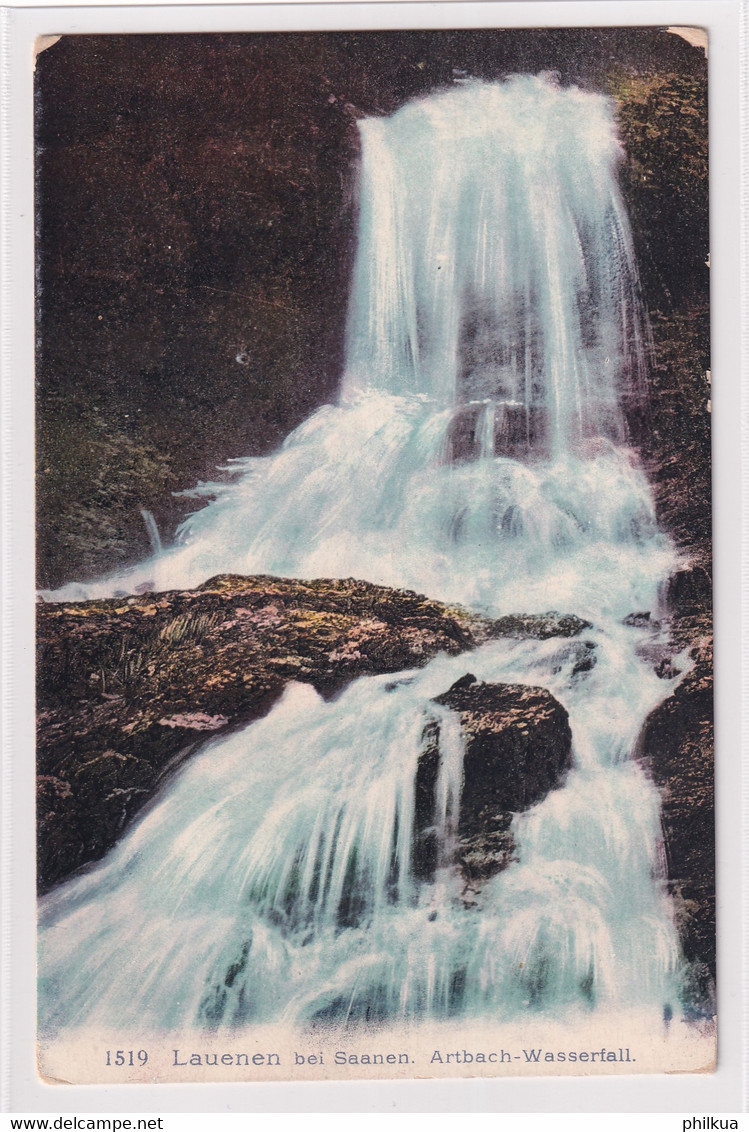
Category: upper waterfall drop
[495,259]
[495,341]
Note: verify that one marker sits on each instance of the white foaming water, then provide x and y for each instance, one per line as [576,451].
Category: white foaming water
[476,455]
[371,490]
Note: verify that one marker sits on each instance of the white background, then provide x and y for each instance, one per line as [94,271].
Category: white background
[692,1095]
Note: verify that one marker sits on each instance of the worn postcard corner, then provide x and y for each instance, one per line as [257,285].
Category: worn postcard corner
[374,649]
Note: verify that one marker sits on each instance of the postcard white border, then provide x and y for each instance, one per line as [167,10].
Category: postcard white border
[720,1092]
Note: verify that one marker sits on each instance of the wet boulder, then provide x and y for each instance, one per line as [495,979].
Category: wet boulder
[538,626]
[518,747]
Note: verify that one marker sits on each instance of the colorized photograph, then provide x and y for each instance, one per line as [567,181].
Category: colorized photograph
[373,513]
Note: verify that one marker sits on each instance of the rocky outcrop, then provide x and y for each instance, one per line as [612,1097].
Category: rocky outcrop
[518,747]
[676,745]
[127,688]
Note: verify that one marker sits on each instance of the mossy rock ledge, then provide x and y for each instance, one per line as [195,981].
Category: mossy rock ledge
[130,687]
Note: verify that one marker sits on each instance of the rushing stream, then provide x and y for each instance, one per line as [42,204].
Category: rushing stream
[477,454]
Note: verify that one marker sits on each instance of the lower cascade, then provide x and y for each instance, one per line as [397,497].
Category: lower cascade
[477,454]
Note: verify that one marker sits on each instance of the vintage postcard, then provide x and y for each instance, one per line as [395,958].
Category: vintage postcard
[374,643]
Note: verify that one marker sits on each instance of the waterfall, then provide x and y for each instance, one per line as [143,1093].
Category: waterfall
[495,259]
[478,454]
[486,440]
[494,276]
[153,531]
